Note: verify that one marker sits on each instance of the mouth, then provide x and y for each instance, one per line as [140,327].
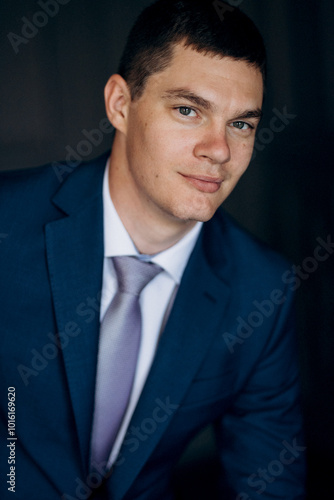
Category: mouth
[204,183]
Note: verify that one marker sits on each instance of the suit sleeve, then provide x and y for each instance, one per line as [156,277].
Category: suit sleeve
[260,439]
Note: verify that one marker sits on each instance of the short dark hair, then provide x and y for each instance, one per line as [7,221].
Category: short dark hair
[214,28]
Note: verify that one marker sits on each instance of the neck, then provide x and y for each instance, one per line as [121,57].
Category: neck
[150,230]
[149,238]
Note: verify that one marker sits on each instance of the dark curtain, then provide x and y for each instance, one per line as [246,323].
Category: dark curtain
[56,56]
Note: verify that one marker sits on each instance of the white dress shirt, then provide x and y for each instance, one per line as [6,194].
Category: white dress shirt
[155,300]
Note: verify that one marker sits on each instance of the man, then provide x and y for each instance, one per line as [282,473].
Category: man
[216,327]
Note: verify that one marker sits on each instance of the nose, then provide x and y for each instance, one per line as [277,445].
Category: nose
[213,146]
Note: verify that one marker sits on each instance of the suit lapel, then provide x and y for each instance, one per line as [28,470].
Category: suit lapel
[197,313]
[75,260]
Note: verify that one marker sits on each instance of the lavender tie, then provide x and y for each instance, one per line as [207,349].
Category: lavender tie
[119,344]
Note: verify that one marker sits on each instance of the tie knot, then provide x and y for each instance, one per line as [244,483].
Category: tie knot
[134,274]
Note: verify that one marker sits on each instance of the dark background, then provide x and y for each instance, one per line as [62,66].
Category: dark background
[51,92]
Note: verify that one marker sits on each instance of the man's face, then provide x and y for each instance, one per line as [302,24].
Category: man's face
[190,135]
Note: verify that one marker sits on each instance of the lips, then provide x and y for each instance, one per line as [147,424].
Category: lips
[204,183]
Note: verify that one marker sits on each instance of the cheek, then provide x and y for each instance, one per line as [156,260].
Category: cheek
[148,160]
[242,155]
[162,152]
[140,149]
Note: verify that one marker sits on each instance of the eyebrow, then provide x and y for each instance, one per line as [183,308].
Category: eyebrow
[253,113]
[189,96]
[207,105]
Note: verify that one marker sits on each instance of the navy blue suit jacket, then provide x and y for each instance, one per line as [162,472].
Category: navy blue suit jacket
[227,355]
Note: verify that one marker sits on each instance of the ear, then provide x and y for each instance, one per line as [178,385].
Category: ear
[117,100]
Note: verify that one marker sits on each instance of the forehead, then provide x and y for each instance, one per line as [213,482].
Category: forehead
[214,77]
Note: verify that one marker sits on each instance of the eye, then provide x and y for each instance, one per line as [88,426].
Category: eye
[185,111]
[241,125]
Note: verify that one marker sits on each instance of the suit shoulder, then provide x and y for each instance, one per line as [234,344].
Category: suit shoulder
[42,179]
[45,179]
[28,197]
[20,189]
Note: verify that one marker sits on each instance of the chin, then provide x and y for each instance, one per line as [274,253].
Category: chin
[204,218]
[196,215]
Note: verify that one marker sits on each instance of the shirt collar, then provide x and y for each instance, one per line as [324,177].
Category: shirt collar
[173,260]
